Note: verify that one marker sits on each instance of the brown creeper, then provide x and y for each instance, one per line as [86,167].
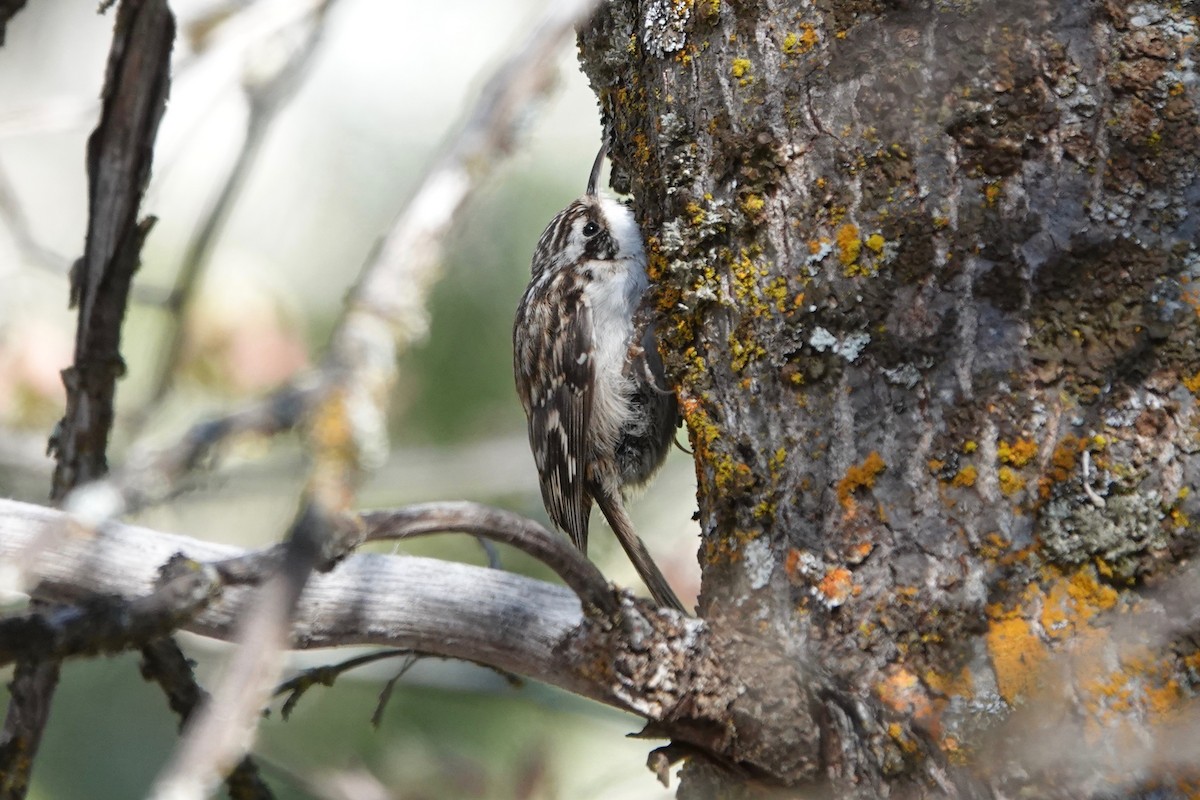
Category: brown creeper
[588,378]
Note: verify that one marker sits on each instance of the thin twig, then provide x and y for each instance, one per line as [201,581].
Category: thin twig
[265,99]
[385,695]
[150,477]
[39,255]
[8,8]
[19,228]
[325,675]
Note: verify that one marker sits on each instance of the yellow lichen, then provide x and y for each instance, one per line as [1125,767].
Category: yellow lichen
[752,204]
[1017,454]
[965,477]
[741,70]
[848,244]
[876,242]
[970,446]
[1192,384]
[797,44]
[1010,481]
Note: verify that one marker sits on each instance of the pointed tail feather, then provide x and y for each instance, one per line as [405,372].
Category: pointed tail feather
[622,526]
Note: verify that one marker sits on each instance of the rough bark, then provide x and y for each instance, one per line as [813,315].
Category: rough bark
[119,155]
[118,165]
[926,277]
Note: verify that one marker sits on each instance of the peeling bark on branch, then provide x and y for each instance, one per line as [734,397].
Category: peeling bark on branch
[120,151]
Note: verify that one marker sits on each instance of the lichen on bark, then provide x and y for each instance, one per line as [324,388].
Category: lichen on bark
[949,247]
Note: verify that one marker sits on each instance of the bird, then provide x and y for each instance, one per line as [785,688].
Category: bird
[589,377]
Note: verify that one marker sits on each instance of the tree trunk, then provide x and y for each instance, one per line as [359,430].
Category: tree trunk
[925,271]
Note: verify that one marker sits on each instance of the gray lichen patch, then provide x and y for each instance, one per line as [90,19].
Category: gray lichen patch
[1074,530]
[664,28]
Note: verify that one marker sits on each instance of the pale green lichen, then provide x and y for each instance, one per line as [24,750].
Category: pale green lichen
[1074,531]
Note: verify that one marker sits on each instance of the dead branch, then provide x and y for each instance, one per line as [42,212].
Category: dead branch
[119,158]
[697,684]
[118,164]
[105,625]
[501,526]
[451,610]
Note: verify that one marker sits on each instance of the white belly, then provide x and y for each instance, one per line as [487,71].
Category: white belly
[612,298]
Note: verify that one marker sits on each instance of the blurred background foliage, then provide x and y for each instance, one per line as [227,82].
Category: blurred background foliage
[388,83]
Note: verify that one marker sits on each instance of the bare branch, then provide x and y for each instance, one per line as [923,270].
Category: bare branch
[119,158]
[502,526]
[31,691]
[452,610]
[107,625]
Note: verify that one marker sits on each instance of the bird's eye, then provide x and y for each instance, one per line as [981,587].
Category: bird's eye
[591,229]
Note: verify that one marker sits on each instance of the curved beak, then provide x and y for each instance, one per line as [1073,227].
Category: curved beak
[594,178]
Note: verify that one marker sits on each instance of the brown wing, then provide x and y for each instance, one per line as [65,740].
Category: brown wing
[556,363]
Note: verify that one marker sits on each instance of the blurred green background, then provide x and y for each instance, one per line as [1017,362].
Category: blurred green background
[390,81]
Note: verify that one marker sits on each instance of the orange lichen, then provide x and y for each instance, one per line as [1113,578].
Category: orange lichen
[1113,680]
[993,545]
[859,476]
[1164,700]
[1089,596]
[1065,455]
[798,44]
[728,549]
[961,684]
[859,552]
[1017,454]
[836,586]
[791,565]
[1192,384]
[902,691]
[1062,463]
[1018,656]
